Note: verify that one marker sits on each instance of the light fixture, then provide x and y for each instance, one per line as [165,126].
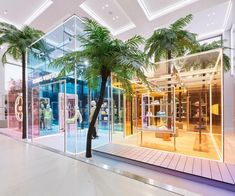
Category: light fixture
[100,20]
[106,5]
[117,17]
[103,7]
[5,12]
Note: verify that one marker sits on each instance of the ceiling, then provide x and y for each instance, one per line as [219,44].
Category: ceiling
[124,18]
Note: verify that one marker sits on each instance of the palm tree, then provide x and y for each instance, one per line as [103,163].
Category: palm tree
[17,40]
[106,56]
[210,46]
[167,43]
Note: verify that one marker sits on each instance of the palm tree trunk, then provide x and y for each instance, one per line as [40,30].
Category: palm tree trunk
[24,127]
[95,115]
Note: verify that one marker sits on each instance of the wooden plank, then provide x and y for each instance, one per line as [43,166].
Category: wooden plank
[129,152]
[174,161]
[167,160]
[181,164]
[147,158]
[117,149]
[206,169]
[215,172]
[159,161]
[135,153]
[155,157]
[197,167]
[144,155]
[188,168]
[226,177]
[231,169]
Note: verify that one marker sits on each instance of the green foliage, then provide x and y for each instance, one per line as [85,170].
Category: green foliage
[171,42]
[17,40]
[106,56]
[210,46]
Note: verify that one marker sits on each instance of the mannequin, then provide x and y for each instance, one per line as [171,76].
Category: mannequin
[93,107]
[77,116]
[48,117]
[41,116]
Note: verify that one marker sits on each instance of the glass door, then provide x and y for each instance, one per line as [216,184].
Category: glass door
[48,115]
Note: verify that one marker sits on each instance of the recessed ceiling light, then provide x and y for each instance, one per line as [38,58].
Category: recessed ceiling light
[207,24]
[117,17]
[106,5]
[212,23]
[103,7]
[208,15]
[213,13]
[114,18]
[5,12]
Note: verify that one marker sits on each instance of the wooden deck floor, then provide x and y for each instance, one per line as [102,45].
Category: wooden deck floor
[207,169]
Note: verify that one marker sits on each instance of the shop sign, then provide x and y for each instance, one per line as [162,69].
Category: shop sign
[46,77]
[19,108]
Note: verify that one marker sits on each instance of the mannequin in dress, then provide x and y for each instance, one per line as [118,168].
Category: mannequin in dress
[77,116]
[48,117]
[93,107]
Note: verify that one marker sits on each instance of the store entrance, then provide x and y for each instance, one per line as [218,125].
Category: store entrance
[48,114]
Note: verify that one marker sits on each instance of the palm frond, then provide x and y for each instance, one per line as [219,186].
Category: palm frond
[182,22]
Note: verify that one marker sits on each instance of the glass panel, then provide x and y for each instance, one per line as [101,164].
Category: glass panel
[11,101]
[118,114]
[176,112]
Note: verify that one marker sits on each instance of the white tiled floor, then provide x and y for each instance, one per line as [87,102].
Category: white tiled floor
[26,170]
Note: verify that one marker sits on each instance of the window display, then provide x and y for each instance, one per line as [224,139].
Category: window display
[190,120]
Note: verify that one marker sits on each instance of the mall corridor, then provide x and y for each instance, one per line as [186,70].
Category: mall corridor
[27,170]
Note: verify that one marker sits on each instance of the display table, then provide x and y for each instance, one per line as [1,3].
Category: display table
[159,130]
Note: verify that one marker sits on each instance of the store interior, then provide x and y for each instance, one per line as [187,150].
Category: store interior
[182,112]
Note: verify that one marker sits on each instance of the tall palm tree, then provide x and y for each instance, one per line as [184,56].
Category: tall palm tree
[106,56]
[17,40]
[171,42]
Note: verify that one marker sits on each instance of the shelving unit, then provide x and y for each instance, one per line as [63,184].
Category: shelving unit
[155,115]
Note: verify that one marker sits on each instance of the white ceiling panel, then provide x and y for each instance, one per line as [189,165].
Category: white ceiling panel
[110,14]
[22,11]
[211,20]
[156,8]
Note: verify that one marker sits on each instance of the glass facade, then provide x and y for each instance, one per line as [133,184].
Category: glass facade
[182,112]
[59,107]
